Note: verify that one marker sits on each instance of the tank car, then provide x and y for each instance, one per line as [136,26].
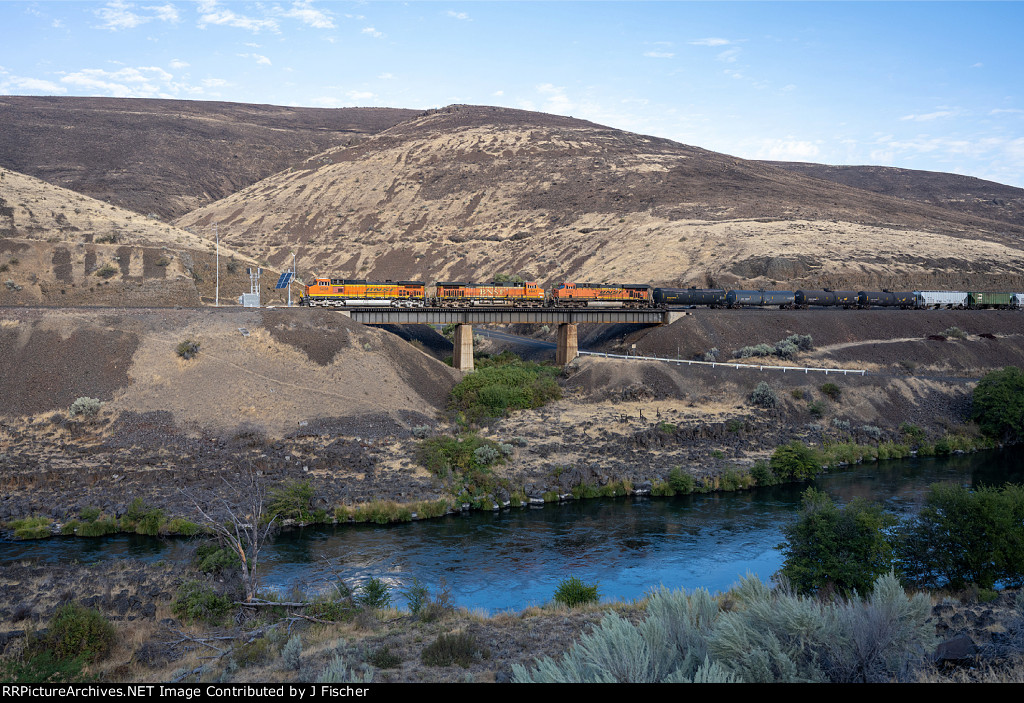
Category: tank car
[885,299]
[741,298]
[688,297]
[758,298]
[782,298]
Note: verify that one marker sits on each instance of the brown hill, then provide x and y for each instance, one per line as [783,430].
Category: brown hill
[964,194]
[467,192]
[166,157]
[58,247]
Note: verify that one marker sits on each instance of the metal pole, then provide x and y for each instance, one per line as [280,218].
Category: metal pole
[216,298]
[290,281]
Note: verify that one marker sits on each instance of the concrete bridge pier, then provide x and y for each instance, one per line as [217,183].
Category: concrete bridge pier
[568,348]
[462,356]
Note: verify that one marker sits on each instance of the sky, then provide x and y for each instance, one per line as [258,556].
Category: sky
[936,86]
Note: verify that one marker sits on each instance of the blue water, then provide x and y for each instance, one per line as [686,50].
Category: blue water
[516,558]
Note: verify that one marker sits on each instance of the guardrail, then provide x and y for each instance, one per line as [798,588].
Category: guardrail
[727,364]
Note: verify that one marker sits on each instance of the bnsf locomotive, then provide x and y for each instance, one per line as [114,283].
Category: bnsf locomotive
[342,292]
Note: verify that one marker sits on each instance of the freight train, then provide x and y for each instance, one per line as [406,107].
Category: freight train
[341,292]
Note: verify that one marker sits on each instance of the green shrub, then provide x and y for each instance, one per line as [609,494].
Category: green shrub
[384,658]
[293,501]
[255,653]
[763,635]
[213,558]
[375,594]
[457,648]
[181,526]
[680,481]
[458,460]
[795,461]
[337,671]
[77,631]
[803,342]
[197,601]
[816,408]
[914,434]
[292,652]
[963,537]
[572,592]
[763,396]
[31,527]
[998,404]
[831,390]
[486,455]
[892,450]
[762,474]
[502,384]
[85,407]
[188,349]
[107,270]
[142,519]
[42,666]
[843,549]
[96,528]
[955,333]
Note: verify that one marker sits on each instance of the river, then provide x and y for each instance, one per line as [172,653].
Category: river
[516,558]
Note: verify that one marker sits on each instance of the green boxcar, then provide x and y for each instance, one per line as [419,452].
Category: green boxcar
[989,300]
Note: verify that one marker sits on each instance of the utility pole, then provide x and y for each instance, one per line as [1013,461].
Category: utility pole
[290,281]
[216,298]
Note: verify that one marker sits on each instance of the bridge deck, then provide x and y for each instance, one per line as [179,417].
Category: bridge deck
[483,316]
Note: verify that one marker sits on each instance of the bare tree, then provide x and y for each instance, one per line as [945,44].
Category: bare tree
[238,521]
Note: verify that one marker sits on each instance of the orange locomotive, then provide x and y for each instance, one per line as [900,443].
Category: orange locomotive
[342,292]
[449,294]
[577,295]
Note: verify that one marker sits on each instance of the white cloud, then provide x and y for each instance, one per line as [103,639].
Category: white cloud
[555,99]
[258,58]
[372,32]
[360,95]
[659,54]
[304,11]
[927,117]
[211,13]
[178,63]
[119,14]
[386,76]
[498,93]
[457,15]
[24,84]
[165,13]
[729,55]
[788,149]
[214,82]
[141,82]
[711,41]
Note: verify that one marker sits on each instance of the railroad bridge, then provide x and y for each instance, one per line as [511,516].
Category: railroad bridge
[567,320]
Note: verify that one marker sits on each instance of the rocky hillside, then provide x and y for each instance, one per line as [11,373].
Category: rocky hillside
[468,192]
[58,247]
[166,157]
[963,194]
